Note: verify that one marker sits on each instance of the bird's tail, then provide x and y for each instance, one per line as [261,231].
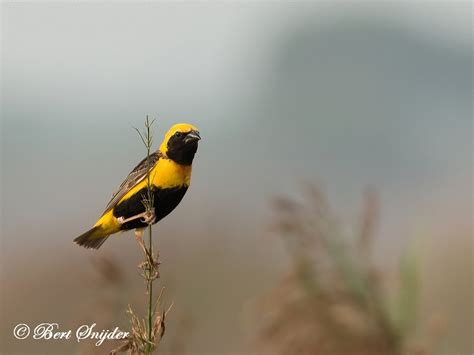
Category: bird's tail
[93,238]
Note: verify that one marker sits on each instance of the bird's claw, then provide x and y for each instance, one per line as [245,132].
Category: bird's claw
[149,217]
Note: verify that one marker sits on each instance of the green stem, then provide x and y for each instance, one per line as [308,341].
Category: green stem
[150,272]
[150,291]
[150,242]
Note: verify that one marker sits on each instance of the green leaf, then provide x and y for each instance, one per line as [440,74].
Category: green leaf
[407,298]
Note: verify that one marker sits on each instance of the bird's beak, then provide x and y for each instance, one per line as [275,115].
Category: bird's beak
[192,136]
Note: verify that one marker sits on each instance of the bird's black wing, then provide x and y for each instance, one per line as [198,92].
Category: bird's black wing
[135,176]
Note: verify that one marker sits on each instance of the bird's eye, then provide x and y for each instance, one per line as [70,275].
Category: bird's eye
[178,134]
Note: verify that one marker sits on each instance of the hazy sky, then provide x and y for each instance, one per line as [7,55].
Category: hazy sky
[350,94]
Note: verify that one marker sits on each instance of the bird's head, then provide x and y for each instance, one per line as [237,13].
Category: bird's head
[181,143]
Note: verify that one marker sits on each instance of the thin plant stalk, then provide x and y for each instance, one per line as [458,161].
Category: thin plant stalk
[146,333]
[150,233]
[150,265]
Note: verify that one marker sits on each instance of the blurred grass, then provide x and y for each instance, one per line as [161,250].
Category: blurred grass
[216,275]
[334,289]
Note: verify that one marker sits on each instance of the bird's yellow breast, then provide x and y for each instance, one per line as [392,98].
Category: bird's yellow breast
[165,174]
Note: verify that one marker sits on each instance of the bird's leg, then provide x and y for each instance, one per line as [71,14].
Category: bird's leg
[139,235]
[147,217]
[139,239]
[151,264]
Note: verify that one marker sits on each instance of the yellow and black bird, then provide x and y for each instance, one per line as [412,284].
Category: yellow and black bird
[170,175]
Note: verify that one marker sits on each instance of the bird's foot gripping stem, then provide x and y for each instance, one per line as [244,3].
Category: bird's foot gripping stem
[147,217]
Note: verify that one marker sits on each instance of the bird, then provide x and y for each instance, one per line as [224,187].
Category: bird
[168,170]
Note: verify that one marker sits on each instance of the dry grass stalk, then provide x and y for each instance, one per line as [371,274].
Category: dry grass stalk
[146,334]
[332,301]
[139,341]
